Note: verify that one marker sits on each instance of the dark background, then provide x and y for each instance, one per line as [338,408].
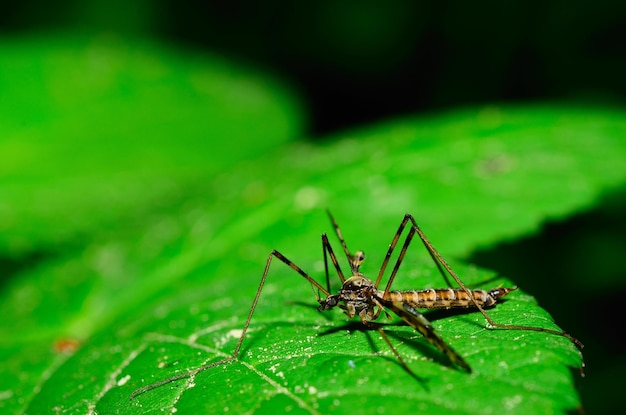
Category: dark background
[357,62]
[360,61]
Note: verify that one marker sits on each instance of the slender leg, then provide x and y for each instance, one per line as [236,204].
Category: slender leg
[442,262]
[415,319]
[355,260]
[410,315]
[392,246]
[340,236]
[396,353]
[235,353]
[328,249]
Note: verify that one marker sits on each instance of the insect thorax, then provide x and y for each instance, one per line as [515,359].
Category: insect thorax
[358,296]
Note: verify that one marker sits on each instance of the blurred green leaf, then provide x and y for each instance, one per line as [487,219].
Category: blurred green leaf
[101,130]
[165,289]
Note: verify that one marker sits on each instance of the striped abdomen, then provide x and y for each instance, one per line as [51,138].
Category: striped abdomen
[446,297]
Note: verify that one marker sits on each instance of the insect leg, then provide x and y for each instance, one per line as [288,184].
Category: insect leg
[396,353]
[339,236]
[407,241]
[329,250]
[355,260]
[380,330]
[258,294]
[416,320]
[392,246]
[235,353]
[442,262]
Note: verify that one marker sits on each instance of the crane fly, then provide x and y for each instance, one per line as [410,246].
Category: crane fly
[361,297]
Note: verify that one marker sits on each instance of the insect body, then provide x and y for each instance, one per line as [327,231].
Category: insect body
[448,297]
[361,297]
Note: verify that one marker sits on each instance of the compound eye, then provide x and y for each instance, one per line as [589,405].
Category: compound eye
[330,302]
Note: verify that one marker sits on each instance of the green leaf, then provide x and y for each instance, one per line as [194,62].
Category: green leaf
[99,130]
[159,291]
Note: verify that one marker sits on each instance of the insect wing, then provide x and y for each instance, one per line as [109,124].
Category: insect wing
[417,320]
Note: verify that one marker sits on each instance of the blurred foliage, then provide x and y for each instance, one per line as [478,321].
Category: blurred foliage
[83,126]
[366,60]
